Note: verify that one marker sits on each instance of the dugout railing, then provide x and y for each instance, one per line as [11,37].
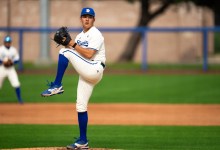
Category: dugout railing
[143,30]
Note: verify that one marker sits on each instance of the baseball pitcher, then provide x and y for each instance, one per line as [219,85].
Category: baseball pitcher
[87,56]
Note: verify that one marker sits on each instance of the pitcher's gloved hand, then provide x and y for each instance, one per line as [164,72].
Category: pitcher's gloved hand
[62,36]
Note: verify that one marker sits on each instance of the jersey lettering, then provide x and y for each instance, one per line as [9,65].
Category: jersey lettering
[85,43]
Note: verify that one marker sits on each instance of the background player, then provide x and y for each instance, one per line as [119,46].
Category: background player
[87,56]
[8,57]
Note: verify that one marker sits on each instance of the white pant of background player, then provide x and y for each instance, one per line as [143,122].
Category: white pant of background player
[11,74]
[90,73]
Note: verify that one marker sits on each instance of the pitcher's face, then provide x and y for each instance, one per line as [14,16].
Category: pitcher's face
[87,22]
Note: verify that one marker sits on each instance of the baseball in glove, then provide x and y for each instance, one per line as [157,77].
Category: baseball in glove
[7,62]
[62,36]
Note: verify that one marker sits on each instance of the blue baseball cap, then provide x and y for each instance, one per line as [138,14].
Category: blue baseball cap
[88,11]
[7,39]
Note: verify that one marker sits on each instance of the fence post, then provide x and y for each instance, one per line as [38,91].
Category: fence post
[205,49]
[144,49]
[20,64]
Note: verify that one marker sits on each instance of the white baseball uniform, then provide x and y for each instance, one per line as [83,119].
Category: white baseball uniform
[10,72]
[90,71]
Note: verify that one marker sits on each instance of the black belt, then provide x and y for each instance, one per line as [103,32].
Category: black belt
[103,65]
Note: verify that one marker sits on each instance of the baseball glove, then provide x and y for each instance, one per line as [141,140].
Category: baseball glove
[8,63]
[62,36]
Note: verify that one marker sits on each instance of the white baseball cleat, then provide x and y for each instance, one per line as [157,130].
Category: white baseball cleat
[53,90]
[78,145]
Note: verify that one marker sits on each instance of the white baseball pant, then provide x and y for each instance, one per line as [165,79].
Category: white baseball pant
[11,74]
[90,73]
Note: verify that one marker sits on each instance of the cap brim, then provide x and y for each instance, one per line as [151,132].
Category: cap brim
[87,14]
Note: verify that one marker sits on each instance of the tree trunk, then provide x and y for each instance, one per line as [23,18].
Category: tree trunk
[144,20]
[216,16]
[135,38]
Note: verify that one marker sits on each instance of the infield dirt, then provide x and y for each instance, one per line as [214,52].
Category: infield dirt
[112,114]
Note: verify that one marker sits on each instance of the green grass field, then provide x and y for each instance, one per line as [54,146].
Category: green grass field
[192,89]
[204,88]
[115,137]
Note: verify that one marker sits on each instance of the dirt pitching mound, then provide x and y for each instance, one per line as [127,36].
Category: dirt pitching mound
[55,148]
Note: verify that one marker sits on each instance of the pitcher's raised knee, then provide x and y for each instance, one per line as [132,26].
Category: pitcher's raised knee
[62,50]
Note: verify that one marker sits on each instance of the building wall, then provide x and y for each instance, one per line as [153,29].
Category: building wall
[162,47]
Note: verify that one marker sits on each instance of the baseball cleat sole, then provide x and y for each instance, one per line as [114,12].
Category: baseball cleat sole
[78,148]
[47,95]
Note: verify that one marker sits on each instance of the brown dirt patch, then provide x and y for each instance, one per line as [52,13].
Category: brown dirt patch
[55,148]
[112,114]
